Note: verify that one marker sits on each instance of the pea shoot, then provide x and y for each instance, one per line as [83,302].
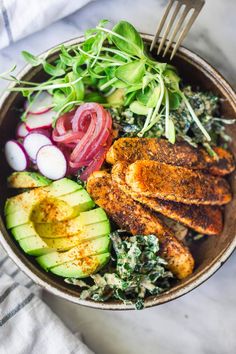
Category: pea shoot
[107,62]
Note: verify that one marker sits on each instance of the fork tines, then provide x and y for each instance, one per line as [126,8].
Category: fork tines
[182,14]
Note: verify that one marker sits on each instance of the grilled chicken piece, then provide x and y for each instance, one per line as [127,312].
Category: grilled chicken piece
[204,218]
[179,154]
[223,166]
[179,184]
[136,219]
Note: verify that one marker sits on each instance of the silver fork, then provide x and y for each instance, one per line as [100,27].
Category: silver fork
[179,23]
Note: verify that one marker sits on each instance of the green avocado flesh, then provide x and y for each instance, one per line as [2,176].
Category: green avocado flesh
[57,221]
[72,226]
[88,233]
[42,206]
[35,246]
[84,249]
[81,268]
[28,199]
[27,180]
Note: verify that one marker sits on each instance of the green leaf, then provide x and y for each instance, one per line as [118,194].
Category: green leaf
[129,98]
[139,108]
[31,59]
[53,70]
[132,88]
[131,73]
[88,44]
[94,97]
[128,39]
[95,75]
[146,80]
[143,96]
[175,100]
[103,23]
[154,97]
[120,84]
[78,86]
[59,99]
[149,97]
[110,72]
[67,59]
[172,79]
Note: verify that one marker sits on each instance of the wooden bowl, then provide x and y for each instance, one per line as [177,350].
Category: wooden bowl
[209,254]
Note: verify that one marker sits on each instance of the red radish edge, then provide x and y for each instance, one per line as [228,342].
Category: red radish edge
[40,121]
[21,131]
[47,132]
[33,142]
[16,155]
[51,162]
[37,107]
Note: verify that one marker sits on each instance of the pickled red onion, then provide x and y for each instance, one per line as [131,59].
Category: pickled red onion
[64,122]
[86,135]
[97,161]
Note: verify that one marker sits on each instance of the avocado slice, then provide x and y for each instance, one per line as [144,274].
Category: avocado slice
[56,189]
[88,233]
[35,246]
[84,249]
[80,200]
[72,226]
[23,231]
[25,200]
[62,187]
[27,180]
[62,208]
[41,205]
[92,216]
[81,268]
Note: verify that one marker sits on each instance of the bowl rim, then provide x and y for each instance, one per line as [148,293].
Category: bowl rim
[171,294]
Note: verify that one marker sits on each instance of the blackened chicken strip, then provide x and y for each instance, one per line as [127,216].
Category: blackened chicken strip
[132,216]
[179,154]
[203,219]
[178,184]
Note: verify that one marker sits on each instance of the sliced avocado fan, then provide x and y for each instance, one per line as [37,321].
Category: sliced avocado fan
[57,222]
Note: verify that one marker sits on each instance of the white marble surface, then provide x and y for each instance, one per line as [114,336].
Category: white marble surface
[203,321]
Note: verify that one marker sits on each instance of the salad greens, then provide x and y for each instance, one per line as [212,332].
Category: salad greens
[136,271]
[111,60]
[206,107]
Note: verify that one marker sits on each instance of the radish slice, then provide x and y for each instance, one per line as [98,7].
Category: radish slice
[41,103]
[16,155]
[21,131]
[33,142]
[51,162]
[46,132]
[40,121]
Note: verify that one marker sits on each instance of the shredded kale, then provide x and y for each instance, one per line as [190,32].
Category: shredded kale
[136,271]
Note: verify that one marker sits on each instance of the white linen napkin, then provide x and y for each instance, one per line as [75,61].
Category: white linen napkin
[19,18]
[27,324]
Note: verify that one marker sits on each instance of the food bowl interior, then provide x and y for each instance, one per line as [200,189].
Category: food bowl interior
[208,253]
